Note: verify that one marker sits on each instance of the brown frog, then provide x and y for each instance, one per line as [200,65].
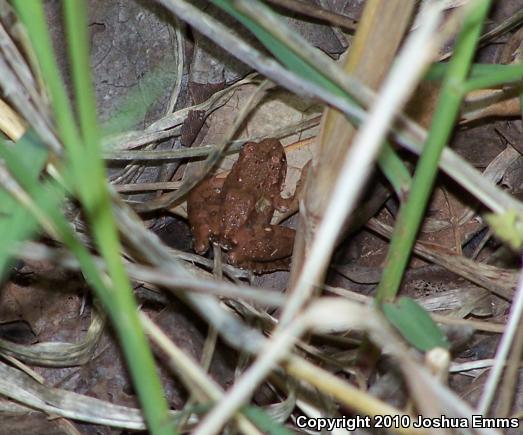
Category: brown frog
[235,212]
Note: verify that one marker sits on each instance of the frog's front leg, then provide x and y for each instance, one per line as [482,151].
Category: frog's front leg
[289,206]
[262,246]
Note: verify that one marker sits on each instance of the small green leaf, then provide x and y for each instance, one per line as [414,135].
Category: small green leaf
[508,226]
[395,170]
[16,223]
[437,70]
[265,423]
[415,324]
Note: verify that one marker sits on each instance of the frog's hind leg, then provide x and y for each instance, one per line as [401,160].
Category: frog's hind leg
[261,267]
[265,245]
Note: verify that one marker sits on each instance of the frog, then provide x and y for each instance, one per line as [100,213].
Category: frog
[235,212]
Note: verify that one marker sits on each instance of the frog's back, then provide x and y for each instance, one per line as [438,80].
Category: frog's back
[260,169]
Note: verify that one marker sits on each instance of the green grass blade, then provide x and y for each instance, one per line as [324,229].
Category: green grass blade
[415,324]
[482,76]
[292,60]
[88,176]
[96,200]
[32,14]
[410,215]
[264,422]
[504,75]
[16,224]
[46,197]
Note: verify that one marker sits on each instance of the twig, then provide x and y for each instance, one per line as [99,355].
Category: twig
[193,374]
[179,38]
[10,123]
[499,281]
[201,151]
[146,187]
[510,376]
[17,94]
[509,24]
[497,328]
[503,350]
[138,272]
[316,12]
[20,387]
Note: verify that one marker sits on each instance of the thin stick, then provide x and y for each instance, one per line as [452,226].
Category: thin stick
[314,11]
[408,69]
[503,350]
[182,363]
